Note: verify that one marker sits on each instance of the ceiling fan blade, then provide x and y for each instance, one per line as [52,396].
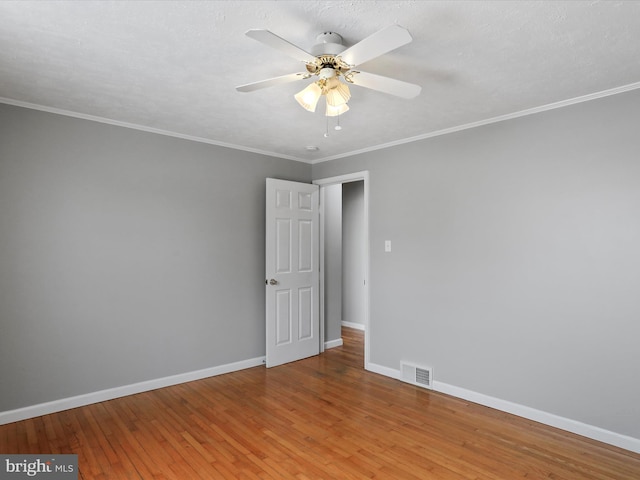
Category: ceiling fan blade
[386,84]
[274,41]
[379,43]
[271,82]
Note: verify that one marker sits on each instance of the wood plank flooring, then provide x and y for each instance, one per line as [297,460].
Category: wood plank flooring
[320,418]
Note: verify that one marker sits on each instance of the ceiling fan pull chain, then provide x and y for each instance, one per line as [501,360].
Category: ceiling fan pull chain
[326,133]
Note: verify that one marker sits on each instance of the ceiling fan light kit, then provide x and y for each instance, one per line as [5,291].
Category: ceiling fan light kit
[308,98]
[334,65]
[337,93]
[332,111]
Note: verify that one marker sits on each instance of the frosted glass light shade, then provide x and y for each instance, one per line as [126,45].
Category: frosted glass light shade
[335,111]
[338,94]
[308,98]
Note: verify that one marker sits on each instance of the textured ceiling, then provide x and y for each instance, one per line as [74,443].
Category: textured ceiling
[173,66]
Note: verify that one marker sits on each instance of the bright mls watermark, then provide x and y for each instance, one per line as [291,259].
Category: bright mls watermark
[50,467]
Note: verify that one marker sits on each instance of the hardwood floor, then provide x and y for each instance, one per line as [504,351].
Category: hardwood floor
[320,418]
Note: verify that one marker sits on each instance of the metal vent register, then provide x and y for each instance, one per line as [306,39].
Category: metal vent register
[419,376]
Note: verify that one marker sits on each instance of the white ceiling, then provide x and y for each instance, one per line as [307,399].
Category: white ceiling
[173,66]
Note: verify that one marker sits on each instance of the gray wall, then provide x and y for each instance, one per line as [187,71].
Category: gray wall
[127,256]
[333,262]
[124,256]
[515,269]
[353,252]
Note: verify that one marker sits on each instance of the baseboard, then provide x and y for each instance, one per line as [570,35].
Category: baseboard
[117,392]
[579,428]
[567,424]
[333,343]
[386,371]
[357,326]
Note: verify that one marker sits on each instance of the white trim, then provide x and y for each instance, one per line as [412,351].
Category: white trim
[352,177]
[117,392]
[386,371]
[348,178]
[333,343]
[500,118]
[321,292]
[134,126]
[567,424]
[590,431]
[357,326]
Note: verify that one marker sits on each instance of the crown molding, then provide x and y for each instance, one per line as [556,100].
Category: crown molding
[488,121]
[134,126]
[437,133]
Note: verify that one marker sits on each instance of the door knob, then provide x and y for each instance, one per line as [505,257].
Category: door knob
[273,281]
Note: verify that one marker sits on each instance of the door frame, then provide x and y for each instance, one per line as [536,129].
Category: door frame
[325,182]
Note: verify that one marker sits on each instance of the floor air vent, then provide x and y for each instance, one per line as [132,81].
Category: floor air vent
[420,376]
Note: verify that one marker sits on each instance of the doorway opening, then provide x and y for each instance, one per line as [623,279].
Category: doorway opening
[344,258]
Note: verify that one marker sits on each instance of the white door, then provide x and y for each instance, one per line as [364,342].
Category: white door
[292,271]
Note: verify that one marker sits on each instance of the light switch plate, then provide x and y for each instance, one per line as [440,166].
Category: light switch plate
[387,245]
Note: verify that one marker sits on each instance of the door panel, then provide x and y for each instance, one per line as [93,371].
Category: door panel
[283,317]
[283,245]
[305,313]
[292,271]
[305,246]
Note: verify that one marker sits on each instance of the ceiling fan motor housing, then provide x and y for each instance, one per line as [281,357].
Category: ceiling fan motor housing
[327,43]
[326,50]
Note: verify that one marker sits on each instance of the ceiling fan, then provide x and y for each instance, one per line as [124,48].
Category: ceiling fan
[334,65]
